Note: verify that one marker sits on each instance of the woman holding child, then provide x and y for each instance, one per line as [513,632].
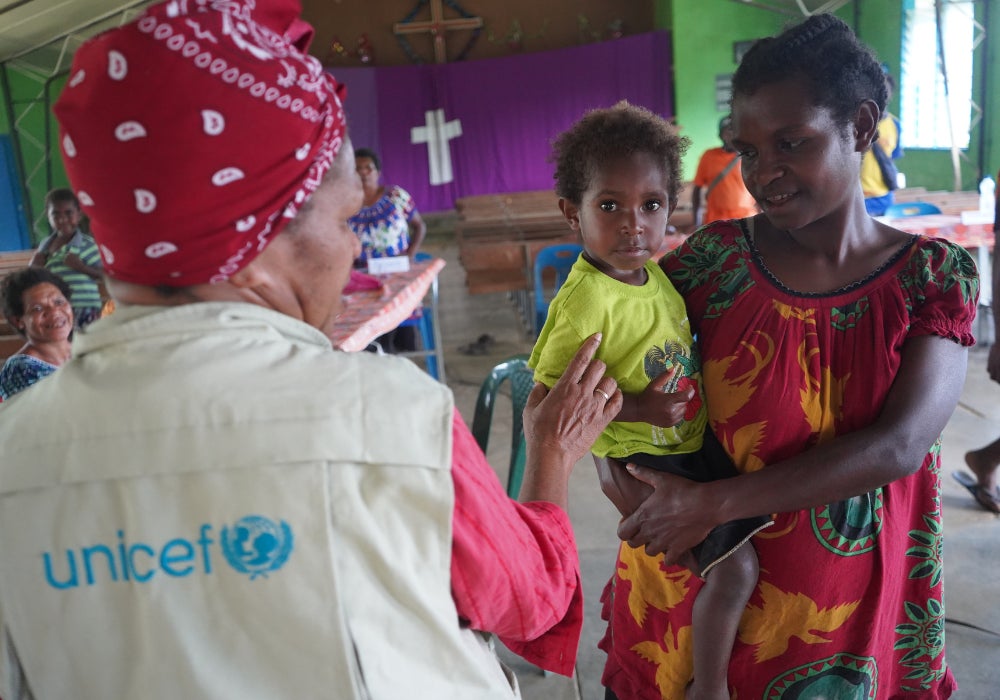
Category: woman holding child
[833,352]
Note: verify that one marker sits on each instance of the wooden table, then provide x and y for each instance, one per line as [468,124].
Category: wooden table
[368,314]
[950,227]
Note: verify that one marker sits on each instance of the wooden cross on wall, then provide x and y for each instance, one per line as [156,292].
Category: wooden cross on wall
[437,26]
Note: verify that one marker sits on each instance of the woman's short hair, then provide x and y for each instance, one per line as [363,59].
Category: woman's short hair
[368,153]
[14,285]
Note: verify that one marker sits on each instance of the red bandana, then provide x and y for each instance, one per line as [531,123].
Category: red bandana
[193,135]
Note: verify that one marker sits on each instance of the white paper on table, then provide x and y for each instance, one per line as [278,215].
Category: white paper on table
[382,266]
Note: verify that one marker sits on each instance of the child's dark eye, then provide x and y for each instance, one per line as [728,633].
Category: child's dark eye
[791,145]
[652,205]
[608,205]
[747,153]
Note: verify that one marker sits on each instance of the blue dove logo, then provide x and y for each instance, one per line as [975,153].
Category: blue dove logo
[256,545]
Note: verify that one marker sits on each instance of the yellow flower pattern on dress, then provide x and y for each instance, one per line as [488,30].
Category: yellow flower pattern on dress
[821,395]
[651,586]
[783,615]
[674,667]
[727,397]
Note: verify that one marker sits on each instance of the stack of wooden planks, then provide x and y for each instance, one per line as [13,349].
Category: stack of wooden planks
[499,235]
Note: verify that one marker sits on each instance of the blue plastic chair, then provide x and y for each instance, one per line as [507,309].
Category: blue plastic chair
[558,258]
[425,326]
[522,380]
[895,211]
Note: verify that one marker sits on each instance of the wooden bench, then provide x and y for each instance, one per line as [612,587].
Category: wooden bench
[14,260]
[499,235]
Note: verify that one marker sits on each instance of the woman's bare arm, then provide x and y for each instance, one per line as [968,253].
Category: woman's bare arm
[923,396]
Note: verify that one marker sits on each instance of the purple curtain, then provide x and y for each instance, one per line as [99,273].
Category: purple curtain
[479,127]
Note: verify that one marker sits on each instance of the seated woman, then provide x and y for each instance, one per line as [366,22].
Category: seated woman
[36,304]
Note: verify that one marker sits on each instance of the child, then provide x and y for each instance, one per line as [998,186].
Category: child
[72,255]
[617,177]
[834,350]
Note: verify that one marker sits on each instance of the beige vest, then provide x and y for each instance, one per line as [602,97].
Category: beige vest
[207,502]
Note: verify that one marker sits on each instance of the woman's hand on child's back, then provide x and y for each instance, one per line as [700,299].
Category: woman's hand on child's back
[675,517]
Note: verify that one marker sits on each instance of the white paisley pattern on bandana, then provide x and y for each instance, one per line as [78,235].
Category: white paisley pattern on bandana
[222,127]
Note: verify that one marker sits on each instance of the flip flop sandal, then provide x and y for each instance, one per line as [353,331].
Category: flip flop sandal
[481,346]
[476,348]
[988,501]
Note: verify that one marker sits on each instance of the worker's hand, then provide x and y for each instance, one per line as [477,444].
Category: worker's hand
[561,424]
[579,407]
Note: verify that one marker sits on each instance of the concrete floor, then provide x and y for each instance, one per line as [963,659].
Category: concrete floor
[972,536]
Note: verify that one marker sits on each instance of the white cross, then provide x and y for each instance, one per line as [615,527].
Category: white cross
[436,133]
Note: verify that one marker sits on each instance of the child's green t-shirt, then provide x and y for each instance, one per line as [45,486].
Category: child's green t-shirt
[645,331]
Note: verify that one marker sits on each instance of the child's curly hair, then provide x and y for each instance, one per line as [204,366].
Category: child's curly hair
[603,135]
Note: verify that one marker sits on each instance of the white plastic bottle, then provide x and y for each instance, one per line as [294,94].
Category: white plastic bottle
[987,195]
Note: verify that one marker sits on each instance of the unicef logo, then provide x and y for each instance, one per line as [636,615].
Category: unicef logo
[256,545]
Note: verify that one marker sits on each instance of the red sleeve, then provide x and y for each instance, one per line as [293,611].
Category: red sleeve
[944,291]
[515,571]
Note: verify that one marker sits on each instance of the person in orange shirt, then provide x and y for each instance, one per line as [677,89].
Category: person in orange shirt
[718,173]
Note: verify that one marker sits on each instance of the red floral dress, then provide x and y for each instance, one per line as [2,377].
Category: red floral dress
[849,601]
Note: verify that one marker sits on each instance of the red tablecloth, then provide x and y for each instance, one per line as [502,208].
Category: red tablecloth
[368,314]
[947,226]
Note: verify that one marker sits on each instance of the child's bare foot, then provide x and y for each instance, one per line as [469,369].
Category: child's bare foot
[984,465]
[706,691]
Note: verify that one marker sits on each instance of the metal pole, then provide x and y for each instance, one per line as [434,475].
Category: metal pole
[984,74]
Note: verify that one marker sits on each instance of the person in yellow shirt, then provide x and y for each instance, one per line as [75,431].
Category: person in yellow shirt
[878,192]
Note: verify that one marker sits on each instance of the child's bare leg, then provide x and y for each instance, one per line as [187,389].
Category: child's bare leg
[716,619]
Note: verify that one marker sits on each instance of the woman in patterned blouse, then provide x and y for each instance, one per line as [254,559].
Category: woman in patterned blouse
[36,304]
[387,225]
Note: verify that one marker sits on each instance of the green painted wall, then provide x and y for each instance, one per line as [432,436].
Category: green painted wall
[703,48]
